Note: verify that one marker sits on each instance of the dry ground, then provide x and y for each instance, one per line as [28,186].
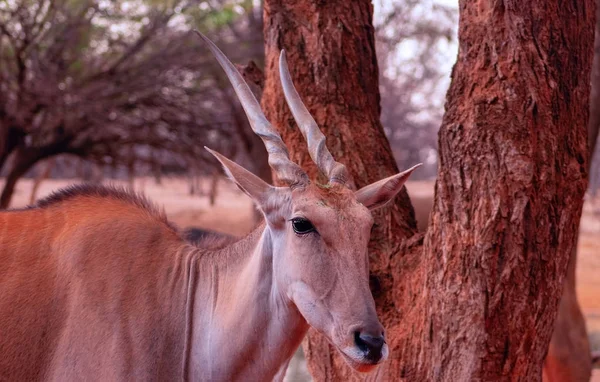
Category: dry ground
[232,213]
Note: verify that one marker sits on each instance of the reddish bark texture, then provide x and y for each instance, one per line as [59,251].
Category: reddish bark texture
[569,357]
[477,297]
[513,171]
[330,48]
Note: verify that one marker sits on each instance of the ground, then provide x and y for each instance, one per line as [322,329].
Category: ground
[232,214]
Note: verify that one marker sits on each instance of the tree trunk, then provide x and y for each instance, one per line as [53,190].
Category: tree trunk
[44,174]
[22,162]
[131,172]
[569,357]
[331,51]
[594,124]
[477,299]
[214,187]
[156,169]
[10,139]
[513,171]
[194,185]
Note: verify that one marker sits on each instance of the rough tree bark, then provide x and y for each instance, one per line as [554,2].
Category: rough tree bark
[569,357]
[477,298]
[513,171]
[330,48]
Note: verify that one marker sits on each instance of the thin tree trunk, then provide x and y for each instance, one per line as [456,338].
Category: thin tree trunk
[9,187]
[594,124]
[131,173]
[156,170]
[3,145]
[477,299]
[214,183]
[192,183]
[569,358]
[22,162]
[80,168]
[44,174]
[97,173]
[10,139]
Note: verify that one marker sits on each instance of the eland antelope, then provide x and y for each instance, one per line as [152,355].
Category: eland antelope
[96,285]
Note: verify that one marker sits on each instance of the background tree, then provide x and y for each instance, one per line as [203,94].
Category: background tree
[477,297]
[117,82]
[124,78]
[594,125]
[412,40]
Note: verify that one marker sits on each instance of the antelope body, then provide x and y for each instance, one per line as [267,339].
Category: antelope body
[95,284]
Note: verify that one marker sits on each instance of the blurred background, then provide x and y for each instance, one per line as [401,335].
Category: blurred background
[111,91]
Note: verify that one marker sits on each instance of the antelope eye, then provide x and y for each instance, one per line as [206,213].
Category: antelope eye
[302,226]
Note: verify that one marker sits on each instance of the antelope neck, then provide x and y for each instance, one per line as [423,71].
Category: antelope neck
[240,322]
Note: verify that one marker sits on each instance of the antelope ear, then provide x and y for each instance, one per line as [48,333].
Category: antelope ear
[378,194]
[252,185]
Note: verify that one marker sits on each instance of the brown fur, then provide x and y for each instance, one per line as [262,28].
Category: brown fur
[96,279]
[334,196]
[71,297]
[101,191]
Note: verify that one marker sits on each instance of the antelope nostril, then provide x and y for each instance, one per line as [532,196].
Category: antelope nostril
[372,346]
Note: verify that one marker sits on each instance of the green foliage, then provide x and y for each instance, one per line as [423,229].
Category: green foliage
[207,19]
[218,18]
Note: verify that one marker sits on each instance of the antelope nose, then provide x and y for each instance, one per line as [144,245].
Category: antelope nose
[371,344]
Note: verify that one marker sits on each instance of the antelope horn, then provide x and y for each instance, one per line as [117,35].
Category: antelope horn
[279,158]
[335,171]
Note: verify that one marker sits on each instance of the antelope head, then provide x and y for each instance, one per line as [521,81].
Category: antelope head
[318,233]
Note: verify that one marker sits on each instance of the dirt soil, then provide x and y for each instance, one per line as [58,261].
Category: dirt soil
[232,214]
